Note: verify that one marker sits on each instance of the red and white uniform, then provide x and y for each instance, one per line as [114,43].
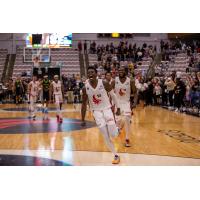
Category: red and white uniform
[34,89]
[123,92]
[100,104]
[57,91]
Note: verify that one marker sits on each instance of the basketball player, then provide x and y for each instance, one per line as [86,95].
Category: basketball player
[123,87]
[96,91]
[33,89]
[18,90]
[45,93]
[109,79]
[57,91]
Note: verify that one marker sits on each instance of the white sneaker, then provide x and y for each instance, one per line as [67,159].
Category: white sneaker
[176,110]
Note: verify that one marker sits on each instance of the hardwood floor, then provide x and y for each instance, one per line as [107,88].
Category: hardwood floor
[155,131]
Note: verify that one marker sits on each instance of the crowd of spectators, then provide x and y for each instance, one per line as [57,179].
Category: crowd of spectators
[171,91]
[160,89]
[123,51]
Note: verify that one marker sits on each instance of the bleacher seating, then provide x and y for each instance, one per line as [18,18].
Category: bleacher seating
[3,54]
[67,56]
[92,59]
[21,66]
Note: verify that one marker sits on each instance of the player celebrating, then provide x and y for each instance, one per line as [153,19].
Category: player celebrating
[123,87]
[56,90]
[109,79]
[45,93]
[96,91]
[33,88]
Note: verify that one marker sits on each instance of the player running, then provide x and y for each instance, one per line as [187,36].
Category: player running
[57,91]
[96,91]
[33,89]
[45,94]
[123,87]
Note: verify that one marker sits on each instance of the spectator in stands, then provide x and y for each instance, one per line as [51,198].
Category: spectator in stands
[157,93]
[170,90]
[85,46]
[179,94]
[1,93]
[80,46]
[164,92]
[149,92]
[195,91]
[142,88]
[139,55]
[112,48]
[69,89]
[9,85]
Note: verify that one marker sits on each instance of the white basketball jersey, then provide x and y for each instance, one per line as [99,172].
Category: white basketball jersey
[34,88]
[98,97]
[123,90]
[57,88]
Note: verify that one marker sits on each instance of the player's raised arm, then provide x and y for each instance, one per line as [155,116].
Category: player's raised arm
[84,105]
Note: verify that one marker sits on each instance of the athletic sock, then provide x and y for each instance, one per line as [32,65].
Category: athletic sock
[127,126]
[110,145]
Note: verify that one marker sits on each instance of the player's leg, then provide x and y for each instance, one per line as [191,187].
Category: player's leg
[127,119]
[60,105]
[113,130]
[32,107]
[57,103]
[101,123]
[127,122]
[45,105]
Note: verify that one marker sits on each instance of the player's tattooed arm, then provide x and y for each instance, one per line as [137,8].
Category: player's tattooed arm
[109,88]
[84,105]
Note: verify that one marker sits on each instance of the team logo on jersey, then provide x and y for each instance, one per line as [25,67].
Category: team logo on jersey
[101,87]
[122,92]
[96,99]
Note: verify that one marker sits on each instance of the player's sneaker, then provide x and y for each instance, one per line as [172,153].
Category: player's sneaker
[34,117]
[127,143]
[116,160]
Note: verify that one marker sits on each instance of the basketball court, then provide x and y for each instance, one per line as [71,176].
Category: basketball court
[159,137]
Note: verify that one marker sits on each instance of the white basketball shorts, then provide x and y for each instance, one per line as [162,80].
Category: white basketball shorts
[104,117]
